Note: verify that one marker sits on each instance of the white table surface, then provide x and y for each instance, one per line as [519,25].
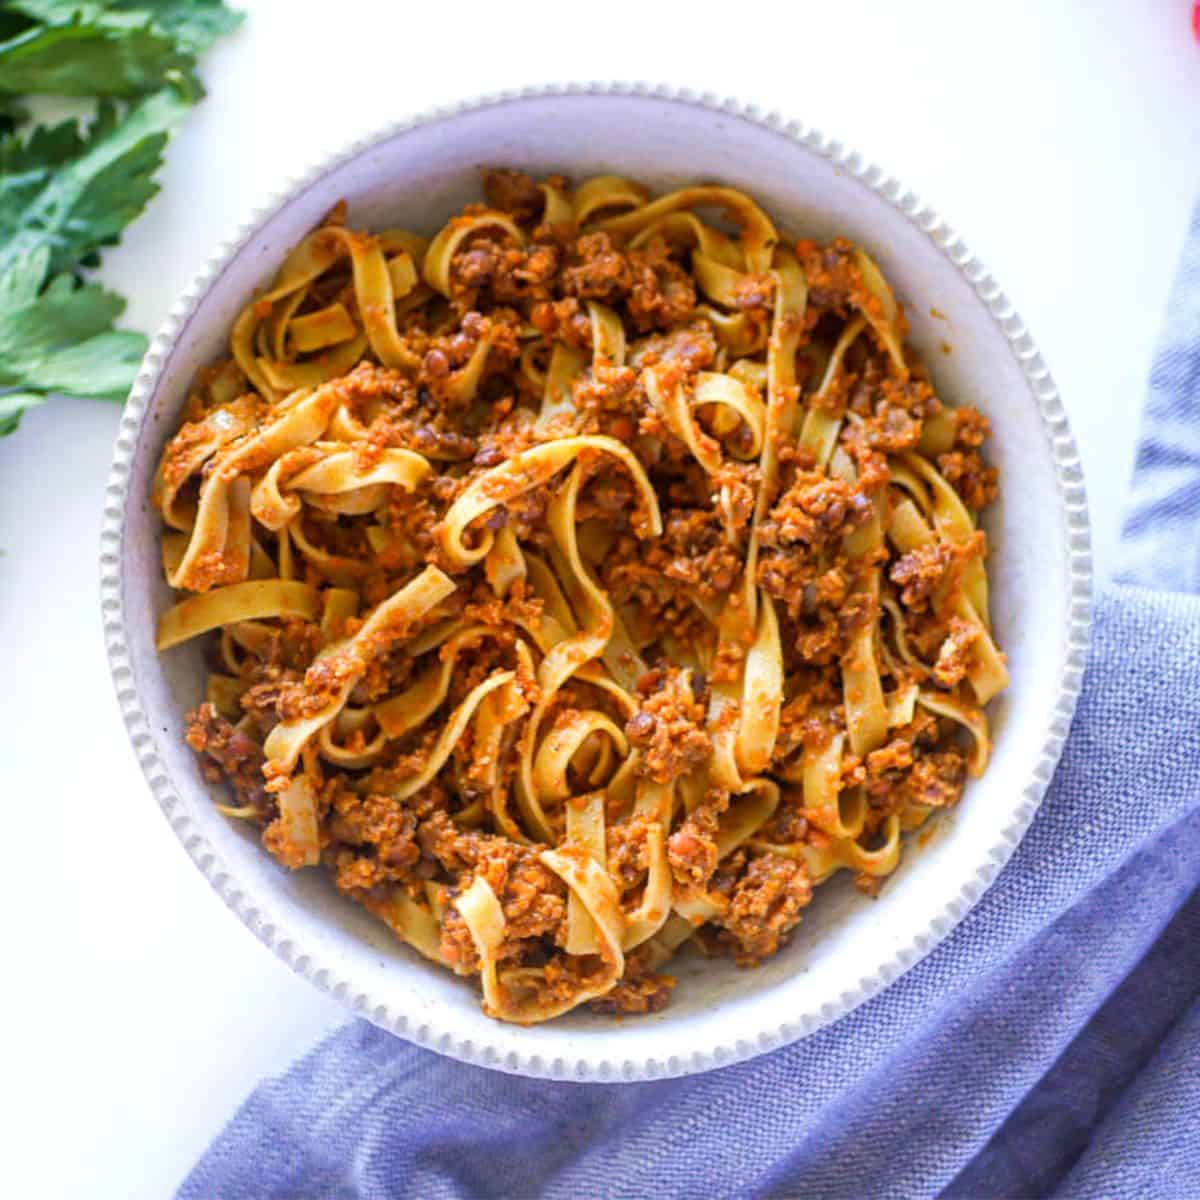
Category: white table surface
[1059,138]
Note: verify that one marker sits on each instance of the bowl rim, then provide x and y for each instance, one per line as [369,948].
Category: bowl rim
[595,1063]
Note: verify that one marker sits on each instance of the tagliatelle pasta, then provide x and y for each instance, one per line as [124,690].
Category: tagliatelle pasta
[591,579]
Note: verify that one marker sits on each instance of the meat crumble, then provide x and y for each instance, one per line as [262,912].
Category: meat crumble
[446,752]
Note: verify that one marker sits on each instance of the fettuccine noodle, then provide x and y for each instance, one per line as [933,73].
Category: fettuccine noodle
[593,578]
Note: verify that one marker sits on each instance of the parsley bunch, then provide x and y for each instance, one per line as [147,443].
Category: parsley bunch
[69,189]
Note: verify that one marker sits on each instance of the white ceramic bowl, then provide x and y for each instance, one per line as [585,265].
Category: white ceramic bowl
[417,172]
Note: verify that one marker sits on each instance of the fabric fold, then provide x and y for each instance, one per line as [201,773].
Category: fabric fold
[1160,544]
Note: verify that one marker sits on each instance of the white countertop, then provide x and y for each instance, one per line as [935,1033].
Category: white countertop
[1060,139]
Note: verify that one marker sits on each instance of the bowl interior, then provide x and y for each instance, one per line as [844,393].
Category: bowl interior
[846,946]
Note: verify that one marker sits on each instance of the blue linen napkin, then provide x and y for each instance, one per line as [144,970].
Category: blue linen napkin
[1161,536]
[1051,1046]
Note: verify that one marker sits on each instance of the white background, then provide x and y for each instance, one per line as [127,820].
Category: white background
[1060,139]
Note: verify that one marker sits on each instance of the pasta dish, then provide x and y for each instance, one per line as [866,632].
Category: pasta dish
[596,577]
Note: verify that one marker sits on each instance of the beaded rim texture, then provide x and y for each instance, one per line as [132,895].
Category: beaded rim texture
[585,1064]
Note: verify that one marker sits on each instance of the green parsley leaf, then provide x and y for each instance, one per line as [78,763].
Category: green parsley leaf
[194,24]
[12,405]
[102,54]
[60,338]
[11,23]
[64,192]
[75,191]
[12,114]
[69,189]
